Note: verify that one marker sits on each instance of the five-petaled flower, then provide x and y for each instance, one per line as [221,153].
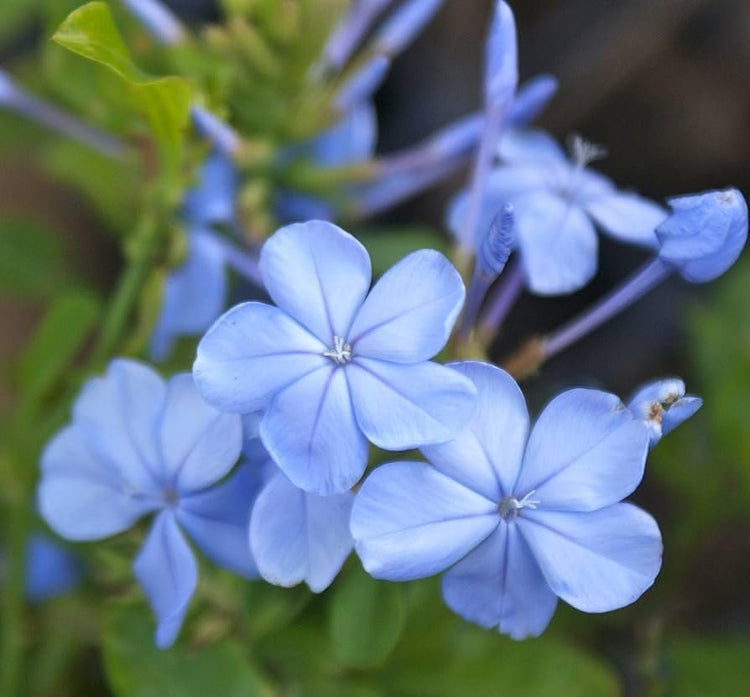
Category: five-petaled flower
[333,365]
[556,202]
[662,405]
[138,445]
[518,523]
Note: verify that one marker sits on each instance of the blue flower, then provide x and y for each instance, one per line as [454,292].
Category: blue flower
[333,365]
[518,522]
[196,290]
[51,570]
[662,405]
[296,536]
[137,445]
[705,234]
[350,140]
[556,203]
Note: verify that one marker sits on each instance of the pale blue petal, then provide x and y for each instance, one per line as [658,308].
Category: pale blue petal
[217,519]
[410,521]
[311,433]
[586,451]
[158,19]
[318,274]
[558,244]
[486,455]
[212,199]
[531,99]
[501,57]
[504,185]
[500,585]
[296,536]
[51,570]
[118,414]
[627,217]
[194,293]
[362,85]
[705,234]
[253,351]
[82,497]
[403,25]
[680,411]
[199,444]
[166,569]
[407,406]
[597,561]
[409,314]
[530,146]
[352,139]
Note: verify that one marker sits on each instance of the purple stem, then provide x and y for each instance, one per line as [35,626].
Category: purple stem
[478,287]
[611,304]
[244,263]
[502,301]
[57,120]
[482,166]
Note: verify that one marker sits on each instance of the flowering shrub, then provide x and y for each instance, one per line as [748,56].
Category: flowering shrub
[233,173]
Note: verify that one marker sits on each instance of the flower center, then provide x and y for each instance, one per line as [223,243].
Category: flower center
[341,353]
[510,506]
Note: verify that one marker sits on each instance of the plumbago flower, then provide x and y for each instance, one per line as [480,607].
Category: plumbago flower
[296,536]
[516,521]
[196,290]
[333,365]
[662,405]
[557,202]
[137,445]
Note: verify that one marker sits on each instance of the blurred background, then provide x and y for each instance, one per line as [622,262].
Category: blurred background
[664,85]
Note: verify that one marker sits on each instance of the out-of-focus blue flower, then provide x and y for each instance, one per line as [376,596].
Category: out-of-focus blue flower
[662,405]
[556,202]
[295,536]
[51,570]
[137,445]
[518,522]
[195,292]
[705,234]
[403,25]
[334,365]
[351,140]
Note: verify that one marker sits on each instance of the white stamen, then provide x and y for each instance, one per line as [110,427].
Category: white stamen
[510,506]
[584,152]
[341,353]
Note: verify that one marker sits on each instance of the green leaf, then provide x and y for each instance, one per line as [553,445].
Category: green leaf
[90,32]
[388,246]
[59,338]
[31,257]
[135,668]
[366,619]
[700,666]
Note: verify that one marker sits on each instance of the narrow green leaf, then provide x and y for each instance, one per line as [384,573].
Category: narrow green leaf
[135,668]
[90,32]
[61,335]
[366,619]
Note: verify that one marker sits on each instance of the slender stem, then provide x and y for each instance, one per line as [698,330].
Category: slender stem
[241,261]
[126,294]
[501,302]
[478,287]
[482,166]
[633,289]
[12,618]
[58,120]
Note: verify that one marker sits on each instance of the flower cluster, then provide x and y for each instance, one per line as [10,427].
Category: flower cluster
[260,456]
